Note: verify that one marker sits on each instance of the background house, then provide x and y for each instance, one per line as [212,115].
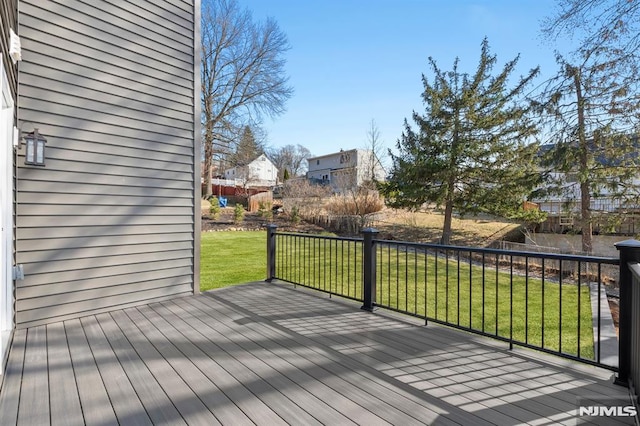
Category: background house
[111,220]
[260,172]
[561,200]
[345,169]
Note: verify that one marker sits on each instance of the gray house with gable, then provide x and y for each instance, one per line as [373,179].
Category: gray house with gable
[112,218]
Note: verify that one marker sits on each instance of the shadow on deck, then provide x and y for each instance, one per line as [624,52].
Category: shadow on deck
[268,354]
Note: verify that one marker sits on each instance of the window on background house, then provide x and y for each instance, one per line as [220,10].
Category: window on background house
[317,162]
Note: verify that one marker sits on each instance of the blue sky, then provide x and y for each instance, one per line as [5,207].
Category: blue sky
[352,61]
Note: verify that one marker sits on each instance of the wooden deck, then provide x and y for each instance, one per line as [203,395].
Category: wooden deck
[269,354]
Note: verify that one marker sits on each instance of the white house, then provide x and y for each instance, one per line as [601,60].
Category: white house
[259,172]
[345,169]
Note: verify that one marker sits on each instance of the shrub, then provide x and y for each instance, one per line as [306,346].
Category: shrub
[355,203]
[294,215]
[214,210]
[238,213]
[264,210]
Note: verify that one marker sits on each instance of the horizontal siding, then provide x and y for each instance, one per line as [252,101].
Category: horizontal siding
[58,282]
[110,220]
[36,317]
[24,234]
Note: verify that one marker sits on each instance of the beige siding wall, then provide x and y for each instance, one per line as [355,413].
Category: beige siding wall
[109,221]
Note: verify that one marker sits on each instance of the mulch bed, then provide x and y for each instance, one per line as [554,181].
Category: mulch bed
[253,222]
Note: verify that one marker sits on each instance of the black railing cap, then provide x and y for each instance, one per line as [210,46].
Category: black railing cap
[631,243]
[370,231]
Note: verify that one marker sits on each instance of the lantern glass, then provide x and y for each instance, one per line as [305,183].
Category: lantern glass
[34,154]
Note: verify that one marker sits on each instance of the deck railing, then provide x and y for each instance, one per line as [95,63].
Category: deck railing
[629,331]
[554,303]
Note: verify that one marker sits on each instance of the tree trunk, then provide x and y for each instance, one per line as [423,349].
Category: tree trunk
[586,227]
[446,229]
[206,171]
[585,212]
[208,154]
[448,212]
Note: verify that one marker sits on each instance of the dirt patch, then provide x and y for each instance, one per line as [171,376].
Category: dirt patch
[398,225]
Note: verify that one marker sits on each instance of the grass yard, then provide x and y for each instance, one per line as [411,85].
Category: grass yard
[230,257]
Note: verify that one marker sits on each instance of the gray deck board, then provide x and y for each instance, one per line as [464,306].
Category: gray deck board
[268,354]
[125,401]
[157,404]
[63,398]
[34,394]
[311,404]
[408,408]
[220,406]
[10,400]
[256,410]
[185,400]
[94,399]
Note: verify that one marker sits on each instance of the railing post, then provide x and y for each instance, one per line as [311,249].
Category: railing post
[629,253]
[271,251]
[369,269]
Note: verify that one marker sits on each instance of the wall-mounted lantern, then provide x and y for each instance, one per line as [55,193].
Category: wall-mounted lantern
[34,155]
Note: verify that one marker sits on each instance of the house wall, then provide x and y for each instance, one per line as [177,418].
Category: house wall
[110,221]
[338,168]
[260,172]
[9,20]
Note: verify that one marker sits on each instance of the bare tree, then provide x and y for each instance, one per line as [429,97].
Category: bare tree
[243,75]
[611,26]
[593,103]
[377,154]
[291,158]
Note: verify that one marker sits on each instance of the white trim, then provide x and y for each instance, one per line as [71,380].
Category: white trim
[7,106]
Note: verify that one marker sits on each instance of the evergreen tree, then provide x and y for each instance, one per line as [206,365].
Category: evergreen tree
[247,149]
[469,152]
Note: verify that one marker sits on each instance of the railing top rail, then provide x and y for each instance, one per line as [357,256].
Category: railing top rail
[433,246]
[321,237]
[635,269]
[518,253]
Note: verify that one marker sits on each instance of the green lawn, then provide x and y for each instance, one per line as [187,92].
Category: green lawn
[231,257]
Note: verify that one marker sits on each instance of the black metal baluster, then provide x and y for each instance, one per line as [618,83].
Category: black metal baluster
[526,299]
[599,307]
[458,284]
[483,289]
[560,309]
[544,273]
[446,286]
[470,291]
[497,267]
[426,287]
[579,310]
[511,303]
[415,280]
[389,275]
[436,286]
[406,278]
